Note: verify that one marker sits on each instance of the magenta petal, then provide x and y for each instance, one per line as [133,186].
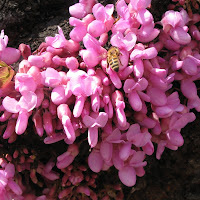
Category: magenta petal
[10,55]
[28,101]
[88,121]
[54,138]
[127,176]
[106,150]
[125,150]
[90,57]
[122,9]
[120,26]
[145,37]
[10,104]
[138,69]
[93,136]
[10,170]
[140,4]
[102,119]
[65,162]
[109,9]
[24,82]
[189,66]
[154,93]
[117,40]
[175,138]
[130,40]
[150,53]
[137,157]
[78,33]
[117,161]
[75,22]
[163,111]
[14,187]
[135,100]
[133,129]
[52,77]
[22,122]
[37,61]
[58,95]
[91,43]
[180,36]
[96,28]
[115,136]
[189,89]
[69,130]
[95,161]
[129,85]
[3,179]
[78,107]
[114,78]
[144,16]
[77,10]
[136,54]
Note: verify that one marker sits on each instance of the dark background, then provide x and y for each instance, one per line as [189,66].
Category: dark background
[177,175]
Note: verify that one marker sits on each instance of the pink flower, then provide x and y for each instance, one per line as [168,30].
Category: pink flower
[6,181]
[68,157]
[137,137]
[95,161]
[171,136]
[51,77]
[81,9]
[119,106]
[93,122]
[140,4]
[7,54]
[172,105]
[26,104]
[24,83]
[81,85]
[135,94]
[138,54]
[94,53]
[126,42]
[64,114]
[104,19]
[174,23]
[127,176]
[80,29]
[60,42]
[48,173]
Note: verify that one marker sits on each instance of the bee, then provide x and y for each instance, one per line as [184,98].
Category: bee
[113,58]
[6,74]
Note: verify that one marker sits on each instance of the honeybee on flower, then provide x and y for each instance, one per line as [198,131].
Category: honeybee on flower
[113,58]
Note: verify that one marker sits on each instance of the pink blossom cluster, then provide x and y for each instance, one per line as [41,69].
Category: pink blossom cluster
[70,93]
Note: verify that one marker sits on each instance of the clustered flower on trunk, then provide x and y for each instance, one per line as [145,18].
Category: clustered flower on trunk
[71,93]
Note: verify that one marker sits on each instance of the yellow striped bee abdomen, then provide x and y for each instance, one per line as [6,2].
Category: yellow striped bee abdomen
[113,58]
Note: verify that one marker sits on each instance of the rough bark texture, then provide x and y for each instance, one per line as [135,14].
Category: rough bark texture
[177,175]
